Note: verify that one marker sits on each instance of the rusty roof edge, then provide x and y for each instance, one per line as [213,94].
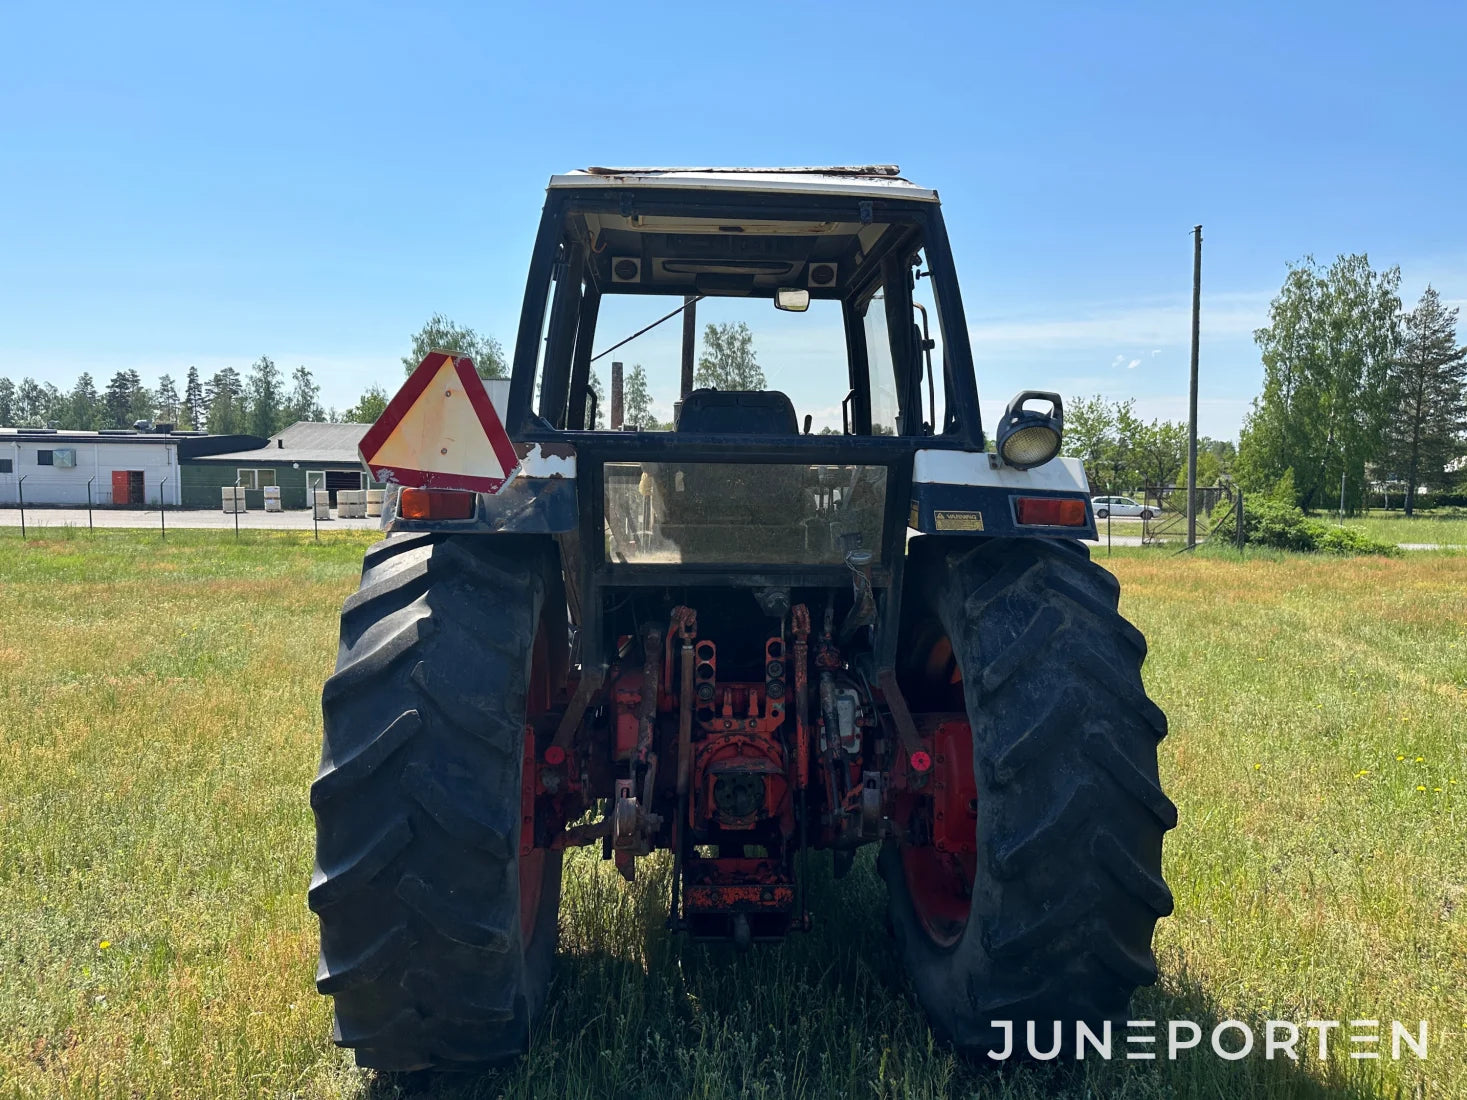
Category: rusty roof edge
[884,170]
[751,180]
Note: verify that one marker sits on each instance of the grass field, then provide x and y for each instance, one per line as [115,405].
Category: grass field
[1449,528]
[161,724]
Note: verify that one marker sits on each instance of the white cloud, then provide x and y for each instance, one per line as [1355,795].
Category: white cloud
[1133,364]
[1118,360]
[1219,418]
[1159,323]
[1155,352]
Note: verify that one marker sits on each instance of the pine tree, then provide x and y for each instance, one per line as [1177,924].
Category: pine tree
[117,402]
[165,400]
[264,397]
[193,400]
[84,407]
[223,400]
[1429,383]
[304,403]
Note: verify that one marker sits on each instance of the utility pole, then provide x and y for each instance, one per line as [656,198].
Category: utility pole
[1192,393]
[616,395]
[690,337]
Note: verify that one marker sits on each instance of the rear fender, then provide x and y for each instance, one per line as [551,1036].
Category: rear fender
[971,494]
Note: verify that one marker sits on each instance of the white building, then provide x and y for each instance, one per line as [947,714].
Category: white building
[122,468]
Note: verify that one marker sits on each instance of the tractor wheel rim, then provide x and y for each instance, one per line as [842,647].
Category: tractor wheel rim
[940,887]
[940,884]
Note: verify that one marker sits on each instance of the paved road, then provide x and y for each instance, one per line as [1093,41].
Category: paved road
[39,518]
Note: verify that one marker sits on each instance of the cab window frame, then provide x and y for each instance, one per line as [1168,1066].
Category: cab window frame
[561,284]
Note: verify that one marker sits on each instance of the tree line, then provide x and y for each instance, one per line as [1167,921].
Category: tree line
[1122,453]
[1356,390]
[260,402]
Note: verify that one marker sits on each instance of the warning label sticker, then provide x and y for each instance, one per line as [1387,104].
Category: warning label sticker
[959,521]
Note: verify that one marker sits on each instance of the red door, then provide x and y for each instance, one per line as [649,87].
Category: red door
[119,487]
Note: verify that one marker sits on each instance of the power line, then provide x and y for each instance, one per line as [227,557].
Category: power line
[694,300]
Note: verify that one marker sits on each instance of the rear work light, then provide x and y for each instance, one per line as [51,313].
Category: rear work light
[1027,437]
[435,504]
[1050,511]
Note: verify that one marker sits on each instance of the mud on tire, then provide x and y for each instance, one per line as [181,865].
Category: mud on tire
[1071,813]
[418,882]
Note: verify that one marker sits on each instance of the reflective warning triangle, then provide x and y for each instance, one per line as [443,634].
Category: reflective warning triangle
[441,431]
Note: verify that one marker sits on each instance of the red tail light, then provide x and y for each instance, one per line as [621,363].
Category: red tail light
[435,504]
[1050,511]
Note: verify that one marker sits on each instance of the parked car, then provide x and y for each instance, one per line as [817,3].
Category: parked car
[1120,506]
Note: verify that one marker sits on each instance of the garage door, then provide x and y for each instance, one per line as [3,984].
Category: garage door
[342,479]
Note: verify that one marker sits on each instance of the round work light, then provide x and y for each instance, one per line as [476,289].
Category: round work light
[1027,437]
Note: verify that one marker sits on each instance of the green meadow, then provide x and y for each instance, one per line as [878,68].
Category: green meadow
[160,717]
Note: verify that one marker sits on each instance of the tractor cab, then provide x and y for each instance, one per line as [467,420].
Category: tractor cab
[833,347]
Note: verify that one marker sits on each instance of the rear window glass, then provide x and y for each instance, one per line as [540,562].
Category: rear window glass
[728,513]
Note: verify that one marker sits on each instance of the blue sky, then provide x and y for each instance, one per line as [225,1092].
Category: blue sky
[208,183]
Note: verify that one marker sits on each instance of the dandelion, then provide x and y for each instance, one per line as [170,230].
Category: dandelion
[1399,757]
[105,944]
[1421,788]
[1438,790]
[1362,773]
[1421,760]
[1257,767]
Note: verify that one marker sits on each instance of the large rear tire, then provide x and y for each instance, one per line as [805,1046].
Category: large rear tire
[1055,920]
[437,936]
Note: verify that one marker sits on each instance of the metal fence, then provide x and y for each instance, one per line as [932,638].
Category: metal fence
[1165,520]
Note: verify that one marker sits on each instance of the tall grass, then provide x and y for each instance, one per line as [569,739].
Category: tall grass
[1439,529]
[161,724]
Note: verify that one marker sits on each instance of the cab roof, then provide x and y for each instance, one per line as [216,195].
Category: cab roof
[869,180]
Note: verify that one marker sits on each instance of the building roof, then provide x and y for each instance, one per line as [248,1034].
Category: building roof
[190,444]
[869,180]
[303,441]
[61,435]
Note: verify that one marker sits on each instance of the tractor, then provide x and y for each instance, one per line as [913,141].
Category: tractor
[734,636]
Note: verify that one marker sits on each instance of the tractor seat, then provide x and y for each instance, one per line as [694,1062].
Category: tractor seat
[738,412]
